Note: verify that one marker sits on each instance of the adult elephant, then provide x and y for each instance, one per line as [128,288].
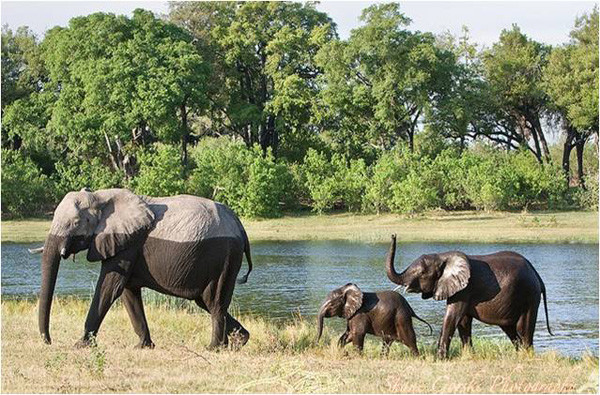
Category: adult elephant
[183,246]
[499,289]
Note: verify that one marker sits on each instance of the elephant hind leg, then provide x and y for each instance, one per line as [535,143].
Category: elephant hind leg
[513,335]
[406,333]
[132,299]
[526,327]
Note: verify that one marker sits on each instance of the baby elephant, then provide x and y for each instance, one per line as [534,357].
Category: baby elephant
[384,314]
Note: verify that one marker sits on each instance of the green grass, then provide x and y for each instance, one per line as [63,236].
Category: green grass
[435,226]
[280,357]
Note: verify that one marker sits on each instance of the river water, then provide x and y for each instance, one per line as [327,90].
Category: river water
[294,277]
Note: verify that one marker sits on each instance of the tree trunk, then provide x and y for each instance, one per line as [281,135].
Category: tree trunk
[184,135]
[579,149]
[537,126]
[566,165]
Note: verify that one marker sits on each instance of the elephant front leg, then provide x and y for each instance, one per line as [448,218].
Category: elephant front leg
[132,299]
[113,277]
[454,314]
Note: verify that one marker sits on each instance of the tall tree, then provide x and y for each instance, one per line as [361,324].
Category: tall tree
[22,72]
[571,80]
[263,53]
[116,83]
[513,69]
[379,83]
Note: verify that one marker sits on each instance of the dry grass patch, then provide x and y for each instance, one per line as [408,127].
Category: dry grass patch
[278,358]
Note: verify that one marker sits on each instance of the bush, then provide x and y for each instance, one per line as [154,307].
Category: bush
[413,194]
[253,184]
[266,186]
[334,183]
[72,175]
[25,190]
[160,171]
[499,180]
[388,170]
[588,198]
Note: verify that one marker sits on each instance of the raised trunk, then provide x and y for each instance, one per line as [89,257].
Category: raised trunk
[50,263]
[389,264]
[320,321]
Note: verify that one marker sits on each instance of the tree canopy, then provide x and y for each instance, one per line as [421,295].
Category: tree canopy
[264,106]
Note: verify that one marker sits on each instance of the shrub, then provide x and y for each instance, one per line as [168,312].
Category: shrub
[386,172]
[321,180]
[250,182]
[266,185]
[160,171]
[25,190]
[73,174]
[334,183]
[413,194]
[588,198]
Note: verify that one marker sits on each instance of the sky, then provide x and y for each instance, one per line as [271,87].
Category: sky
[544,21]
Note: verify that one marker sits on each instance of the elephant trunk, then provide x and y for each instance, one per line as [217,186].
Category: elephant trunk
[320,320]
[50,262]
[389,264]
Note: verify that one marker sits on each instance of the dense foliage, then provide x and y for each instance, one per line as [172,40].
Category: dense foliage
[261,106]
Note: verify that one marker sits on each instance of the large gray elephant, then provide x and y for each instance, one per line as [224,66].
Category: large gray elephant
[184,246]
[501,289]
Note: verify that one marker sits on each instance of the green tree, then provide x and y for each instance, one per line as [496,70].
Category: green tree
[23,72]
[25,190]
[513,69]
[114,84]
[378,84]
[571,80]
[161,172]
[263,56]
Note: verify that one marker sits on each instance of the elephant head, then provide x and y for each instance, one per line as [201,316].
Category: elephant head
[103,222]
[437,275]
[341,302]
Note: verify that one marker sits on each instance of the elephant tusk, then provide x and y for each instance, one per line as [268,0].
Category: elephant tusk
[401,287]
[38,250]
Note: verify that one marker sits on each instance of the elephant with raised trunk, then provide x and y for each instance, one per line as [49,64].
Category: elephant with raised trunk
[183,246]
[499,289]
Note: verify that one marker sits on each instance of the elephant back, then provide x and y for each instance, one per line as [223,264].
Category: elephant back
[187,218]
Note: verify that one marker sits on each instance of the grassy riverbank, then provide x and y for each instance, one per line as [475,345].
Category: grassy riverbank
[277,359]
[436,226]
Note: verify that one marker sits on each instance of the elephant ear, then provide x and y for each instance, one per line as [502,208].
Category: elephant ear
[455,276]
[353,300]
[124,219]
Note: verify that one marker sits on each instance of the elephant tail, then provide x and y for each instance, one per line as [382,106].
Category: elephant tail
[545,305]
[425,322]
[543,287]
[244,279]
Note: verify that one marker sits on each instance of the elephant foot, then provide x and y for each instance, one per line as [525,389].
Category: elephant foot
[238,339]
[145,344]
[216,346]
[85,343]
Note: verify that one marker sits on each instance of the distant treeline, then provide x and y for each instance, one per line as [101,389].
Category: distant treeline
[260,105]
